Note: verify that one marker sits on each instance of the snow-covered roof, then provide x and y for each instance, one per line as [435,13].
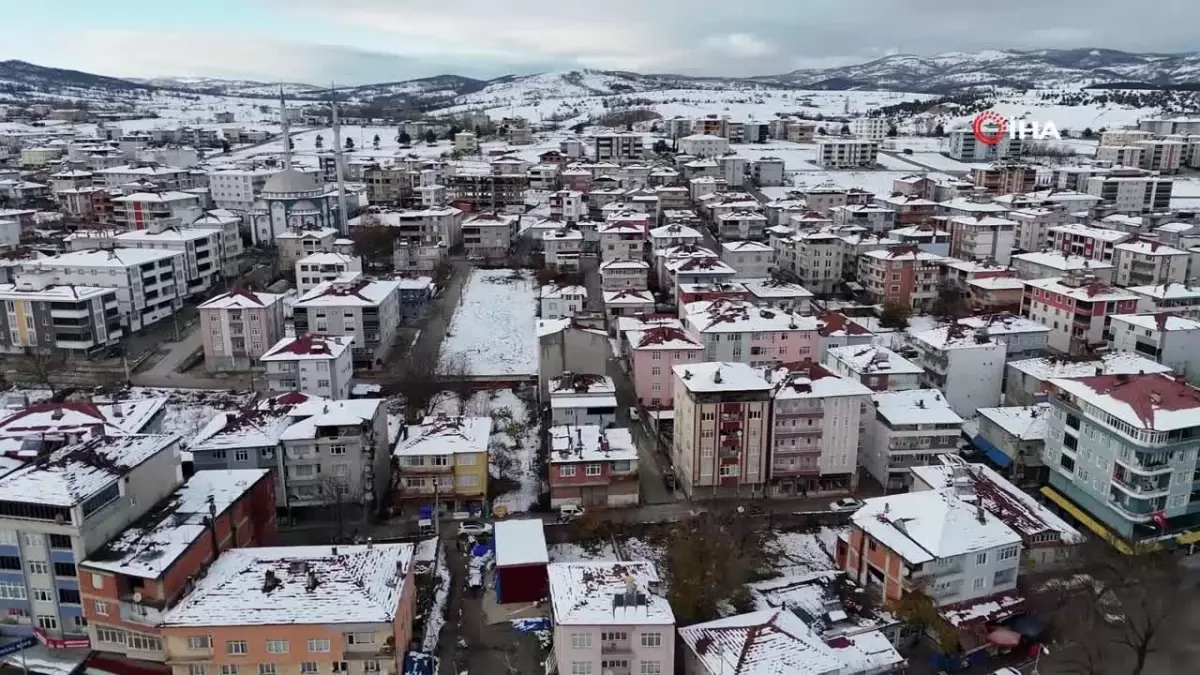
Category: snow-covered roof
[620,264]
[521,542]
[904,253]
[766,642]
[954,336]
[1093,292]
[287,585]
[726,315]
[1156,402]
[1113,363]
[967,204]
[661,337]
[1148,247]
[811,380]
[915,406]
[590,443]
[607,593]
[1026,423]
[746,246]
[150,546]
[116,257]
[358,292]
[54,293]
[675,231]
[329,258]
[168,196]
[1168,291]
[628,296]
[1162,322]
[581,384]
[259,426]
[980,484]
[717,376]
[308,346]
[76,418]
[322,233]
[997,284]
[931,524]
[772,288]
[316,413]
[1060,261]
[74,473]
[1098,233]
[647,321]
[555,292]
[441,435]
[241,299]
[868,359]
[183,234]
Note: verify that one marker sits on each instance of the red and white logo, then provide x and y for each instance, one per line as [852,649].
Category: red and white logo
[989,127]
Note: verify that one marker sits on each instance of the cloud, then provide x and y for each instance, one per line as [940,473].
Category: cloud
[741,45]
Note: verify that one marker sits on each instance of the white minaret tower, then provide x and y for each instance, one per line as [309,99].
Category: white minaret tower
[283,128]
[343,227]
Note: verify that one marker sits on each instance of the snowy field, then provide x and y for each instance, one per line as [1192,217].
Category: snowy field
[878,182]
[939,162]
[493,331]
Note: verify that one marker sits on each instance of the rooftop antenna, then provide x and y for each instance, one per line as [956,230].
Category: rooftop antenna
[338,163]
[283,127]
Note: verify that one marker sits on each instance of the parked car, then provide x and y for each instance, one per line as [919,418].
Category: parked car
[846,504]
[425,527]
[473,527]
[569,512]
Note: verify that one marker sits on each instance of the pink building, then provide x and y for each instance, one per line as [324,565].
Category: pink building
[238,327]
[608,618]
[653,353]
[740,332]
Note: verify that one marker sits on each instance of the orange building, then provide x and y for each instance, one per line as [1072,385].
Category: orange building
[298,610]
[128,585]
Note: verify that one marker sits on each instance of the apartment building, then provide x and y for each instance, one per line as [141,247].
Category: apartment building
[203,260]
[1120,457]
[1161,155]
[165,177]
[1146,262]
[982,237]
[1093,243]
[965,147]
[229,225]
[625,275]
[318,268]
[621,241]
[817,421]
[1005,178]
[653,354]
[870,128]
[875,219]
[703,145]
[1027,381]
[874,366]
[837,330]
[41,315]
[965,363]
[150,283]
[1043,264]
[238,327]
[440,225]
[562,302]
[741,225]
[592,466]
[366,309]
[489,235]
[846,153]
[697,269]
[155,559]
[721,445]
[737,331]
[317,365]
[1077,310]
[1121,155]
[781,295]
[676,233]
[236,189]
[767,171]
[900,275]
[297,609]
[941,544]
[751,259]
[329,457]
[621,148]
[608,617]
[135,211]
[1173,341]
[815,257]
[293,245]
[59,506]
[911,428]
[443,462]
[1180,299]
[1034,223]
[909,209]
[1132,194]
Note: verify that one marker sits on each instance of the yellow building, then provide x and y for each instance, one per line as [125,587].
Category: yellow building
[444,460]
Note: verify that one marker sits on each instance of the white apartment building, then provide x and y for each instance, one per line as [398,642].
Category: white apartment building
[1161,155]
[751,259]
[674,235]
[982,237]
[741,224]
[166,177]
[236,189]
[624,275]
[1095,243]
[202,249]
[318,268]
[846,153]
[1181,299]
[733,170]
[767,171]
[1146,262]
[966,364]
[721,442]
[296,244]
[1121,155]
[876,219]
[317,365]
[621,241]
[1173,341]
[1121,448]
[366,309]
[490,235]
[150,283]
[777,294]
[231,249]
[1034,223]
[136,210]
[583,399]
[1043,264]
[703,145]
[1132,194]
[418,226]
[815,257]
[562,248]
[874,366]
[238,327]
[1119,137]
[562,302]
[1077,311]
[965,147]
[911,428]
[816,424]
[870,128]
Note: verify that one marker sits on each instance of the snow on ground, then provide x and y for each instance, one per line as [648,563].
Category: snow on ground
[795,156]
[493,330]
[939,162]
[878,182]
[805,552]
[437,612]
[514,437]
[897,163]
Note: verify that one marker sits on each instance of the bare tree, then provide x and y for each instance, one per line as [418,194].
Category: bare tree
[40,367]
[341,501]
[374,242]
[425,382]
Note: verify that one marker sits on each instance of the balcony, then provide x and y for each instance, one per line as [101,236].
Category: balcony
[1142,486]
[1146,463]
[618,647]
[140,614]
[425,468]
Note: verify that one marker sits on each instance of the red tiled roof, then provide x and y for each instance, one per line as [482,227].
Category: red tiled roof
[1145,393]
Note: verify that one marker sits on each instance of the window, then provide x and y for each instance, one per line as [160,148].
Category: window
[235,647]
[979,583]
[64,569]
[47,622]
[340,667]
[581,640]
[318,646]
[360,638]
[196,669]
[97,580]
[69,596]
[651,668]
[308,667]
[38,567]
[10,562]
[592,470]
[8,537]
[199,642]
[277,646]
[566,471]
[651,639]
[1009,553]
[60,541]
[656,370]
[42,595]
[241,455]
[12,590]
[981,558]
[370,666]
[110,635]
[229,669]
[581,668]
[144,643]
[615,636]
[1004,577]
[266,669]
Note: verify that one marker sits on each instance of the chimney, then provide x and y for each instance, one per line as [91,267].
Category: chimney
[310,583]
[717,376]
[212,527]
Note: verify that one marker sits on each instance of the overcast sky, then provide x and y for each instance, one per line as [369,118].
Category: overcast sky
[365,41]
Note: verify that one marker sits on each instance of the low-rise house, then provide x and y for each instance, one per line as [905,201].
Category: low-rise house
[609,617]
[995,294]
[1028,381]
[562,248]
[877,367]
[777,294]
[875,219]
[1077,310]
[313,364]
[629,302]
[687,294]
[622,240]
[676,233]
[295,244]
[751,259]
[592,465]
[838,330]
[489,235]
[366,309]
[150,566]
[578,399]
[741,225]
[340,604]
[816,423]
[653,353]
[443,462]
[1173,341]
[1012,438]
[965,363]
[911,428]
[238,327]
[562,302]
[416,293]
[698,269]
[619,275]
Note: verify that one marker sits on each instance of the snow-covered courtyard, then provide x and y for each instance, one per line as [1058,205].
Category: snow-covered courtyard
[493,333]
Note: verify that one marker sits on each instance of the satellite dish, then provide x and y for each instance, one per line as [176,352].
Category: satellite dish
[137,596]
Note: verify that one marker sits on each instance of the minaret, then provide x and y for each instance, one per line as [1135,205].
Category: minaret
[287,137]
[337,156]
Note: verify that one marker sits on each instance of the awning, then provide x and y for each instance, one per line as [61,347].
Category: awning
[994,454]
[1086,520]
[1003,637]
